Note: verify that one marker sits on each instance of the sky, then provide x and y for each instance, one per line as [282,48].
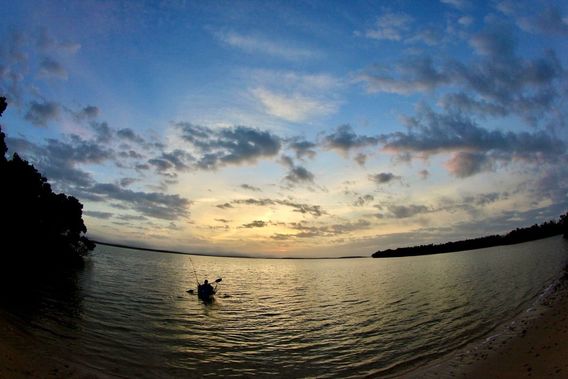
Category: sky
[293,128]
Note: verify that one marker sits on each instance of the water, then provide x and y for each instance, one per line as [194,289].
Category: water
[127,313]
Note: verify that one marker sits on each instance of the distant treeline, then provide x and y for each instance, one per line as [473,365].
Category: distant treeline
[519,235]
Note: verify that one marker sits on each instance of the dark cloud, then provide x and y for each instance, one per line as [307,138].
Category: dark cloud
[102,131]
[229,146]
[310,231]
[129,135]
[88,112]
[302,148]
[361,159]
[296,174]
[314,210]
[362,200]
[224,221]
[151,204]
[40,114]
[255,224]
[96,214]
[177,160]
[344,139]
[250,188]
[475,147]
[549,21]
[125,182]
[424,174]
[415,74]
[383,177]
[224,206]
[299,174]
[465,163]
[406,211]
[51,68]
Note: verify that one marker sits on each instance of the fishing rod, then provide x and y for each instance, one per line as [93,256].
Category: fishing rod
[194,272]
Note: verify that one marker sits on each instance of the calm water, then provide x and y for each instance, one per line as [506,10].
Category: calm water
[128,313]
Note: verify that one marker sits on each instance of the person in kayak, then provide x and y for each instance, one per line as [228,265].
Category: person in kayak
[206,290]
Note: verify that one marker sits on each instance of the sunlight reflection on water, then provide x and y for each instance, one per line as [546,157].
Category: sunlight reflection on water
[293,318]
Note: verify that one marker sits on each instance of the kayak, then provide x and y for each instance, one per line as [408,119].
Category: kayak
[204,294]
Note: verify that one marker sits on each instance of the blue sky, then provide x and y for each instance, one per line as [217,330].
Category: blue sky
[312,128]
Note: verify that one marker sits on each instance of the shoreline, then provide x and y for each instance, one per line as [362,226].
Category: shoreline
[531,345]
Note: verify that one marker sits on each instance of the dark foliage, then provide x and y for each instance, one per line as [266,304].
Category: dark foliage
[547,229]
[39,227]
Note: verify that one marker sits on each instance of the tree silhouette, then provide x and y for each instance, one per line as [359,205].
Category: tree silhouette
[519,235]
[40,227]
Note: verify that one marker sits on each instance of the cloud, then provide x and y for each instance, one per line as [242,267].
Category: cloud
[363,200]
[361,159]
[383,177]
[177,160]
[88,112]
[464,164]
[97,214]
[299,174]
[403,211]
[228,146]
[296,174]
[343,139]
[432,133]
[151,204]
[102,131]
[50,68]
[415,74]
[313,210]
[261,45]
[309,231]
[459,4]
[255,224]
[58,160]
[548,21]
[293,107]
[46,42]
[390,26]
[129,135]
[250,188]
[40,114]
[301,147]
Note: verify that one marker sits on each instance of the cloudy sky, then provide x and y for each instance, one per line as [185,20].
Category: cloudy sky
[312,128]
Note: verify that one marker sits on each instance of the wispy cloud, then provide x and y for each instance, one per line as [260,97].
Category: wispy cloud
[390,26]
[256,44]
[293,107]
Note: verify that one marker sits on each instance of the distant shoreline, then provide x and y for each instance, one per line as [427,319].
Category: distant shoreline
[519,235]
[214,255]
